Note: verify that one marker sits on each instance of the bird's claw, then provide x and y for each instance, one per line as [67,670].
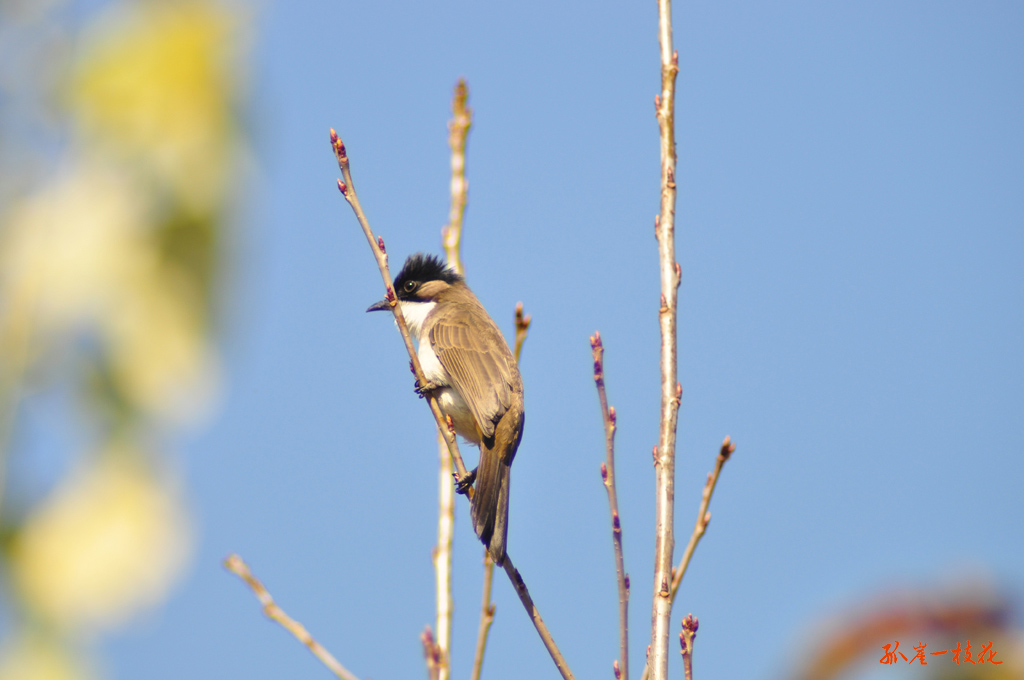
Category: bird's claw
[424,388]
[462,485]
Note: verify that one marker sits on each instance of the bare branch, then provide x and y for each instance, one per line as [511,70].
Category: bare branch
[458,131]
[443,559]
[237,566]
[703,516]
[671,391]
[451,238]
[522,327]
[431,654]
[531,609]
[486,617]
[348,190]
[686,644]
[608,475]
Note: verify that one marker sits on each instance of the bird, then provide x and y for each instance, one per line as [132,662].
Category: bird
[473,375]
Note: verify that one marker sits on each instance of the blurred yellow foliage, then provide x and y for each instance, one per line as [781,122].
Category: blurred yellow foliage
[33,657]
[155,82]
[107,542]
[112,261]
[81,255]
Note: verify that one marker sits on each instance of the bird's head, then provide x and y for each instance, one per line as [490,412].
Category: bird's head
[422,279]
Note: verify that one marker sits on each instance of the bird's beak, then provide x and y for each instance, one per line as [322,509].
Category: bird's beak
[380,306]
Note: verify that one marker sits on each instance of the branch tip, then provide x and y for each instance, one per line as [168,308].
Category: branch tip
[272,611]
[339,148]
[690,625]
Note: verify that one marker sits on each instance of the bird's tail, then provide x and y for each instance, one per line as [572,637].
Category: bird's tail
[490,501]
[490,495]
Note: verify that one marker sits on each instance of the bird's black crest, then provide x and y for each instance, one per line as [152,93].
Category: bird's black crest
[422,268]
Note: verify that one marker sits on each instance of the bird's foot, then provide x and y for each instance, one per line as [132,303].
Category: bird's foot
[462,485]
[424,388]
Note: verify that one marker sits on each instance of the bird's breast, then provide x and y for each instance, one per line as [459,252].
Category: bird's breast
[448,398]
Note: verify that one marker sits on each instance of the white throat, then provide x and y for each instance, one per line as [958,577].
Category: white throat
[415,314]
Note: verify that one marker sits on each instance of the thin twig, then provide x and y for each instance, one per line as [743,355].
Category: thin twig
[451,239]
[236,565]
[522,328]
[486,617]
[487,607]
[531,609]
[348,190]
[703,516]
[686,644]
[671,390]
[431,654]
[608,475]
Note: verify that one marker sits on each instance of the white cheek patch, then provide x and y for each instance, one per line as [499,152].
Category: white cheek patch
[416,314]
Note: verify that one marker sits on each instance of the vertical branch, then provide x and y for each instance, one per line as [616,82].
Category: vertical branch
[443,561]
[703,518]
[686,644]
[608,475]
[671,391]
[451,238]
[458,131]
[486,617]
[487,607]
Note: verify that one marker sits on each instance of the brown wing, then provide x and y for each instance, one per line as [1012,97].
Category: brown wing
[476,356]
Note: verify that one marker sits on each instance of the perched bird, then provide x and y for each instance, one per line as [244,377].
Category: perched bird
[474,377]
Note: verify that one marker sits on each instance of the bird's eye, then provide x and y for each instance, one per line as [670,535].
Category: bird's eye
[410,286]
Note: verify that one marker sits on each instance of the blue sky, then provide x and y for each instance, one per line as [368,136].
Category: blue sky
[850,232]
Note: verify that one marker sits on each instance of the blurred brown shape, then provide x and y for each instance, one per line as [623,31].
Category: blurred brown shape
[857,637]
